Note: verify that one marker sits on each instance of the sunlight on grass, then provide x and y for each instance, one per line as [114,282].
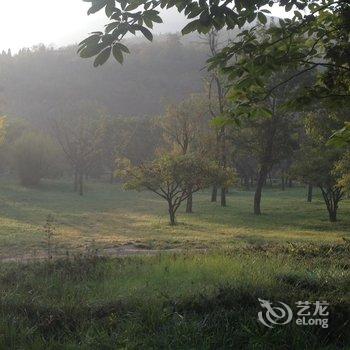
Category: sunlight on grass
[108,216]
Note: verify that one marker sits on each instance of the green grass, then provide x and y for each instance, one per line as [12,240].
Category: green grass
[108,217]
[189,300]
[183,301]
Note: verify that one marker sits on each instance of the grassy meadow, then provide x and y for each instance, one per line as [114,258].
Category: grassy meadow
[108,217]
[179,301]
[199,291]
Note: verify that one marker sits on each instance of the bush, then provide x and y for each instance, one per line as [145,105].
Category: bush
[35,157]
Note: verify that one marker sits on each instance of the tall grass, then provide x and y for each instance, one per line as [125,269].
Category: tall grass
[180,301]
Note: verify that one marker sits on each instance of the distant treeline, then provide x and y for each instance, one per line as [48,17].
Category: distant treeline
[35,82]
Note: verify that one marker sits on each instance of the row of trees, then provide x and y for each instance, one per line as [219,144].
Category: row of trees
[165,154]
[86,142]
[274,96]
[273,73]
[80,142]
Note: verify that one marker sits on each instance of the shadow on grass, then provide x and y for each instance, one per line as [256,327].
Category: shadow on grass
[108,210]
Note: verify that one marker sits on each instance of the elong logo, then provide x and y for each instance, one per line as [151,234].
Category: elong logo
[282,314]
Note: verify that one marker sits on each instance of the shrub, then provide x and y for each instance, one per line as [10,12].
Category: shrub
[34,158]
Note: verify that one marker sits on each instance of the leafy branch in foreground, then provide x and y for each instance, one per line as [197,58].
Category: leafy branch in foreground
[309,52]
[317,35]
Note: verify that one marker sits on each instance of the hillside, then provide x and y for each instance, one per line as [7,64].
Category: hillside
[35,83]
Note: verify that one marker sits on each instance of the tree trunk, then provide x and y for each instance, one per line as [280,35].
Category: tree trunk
[189,204]
[111,179]
[223,161]
[283,182]
[214,193]
[309,193]
[246,183]
[332,196]
[290,183]
[332,215]
[266,162]
[75,181]
[259,186]
[81,181]
[223,197]
[171,210]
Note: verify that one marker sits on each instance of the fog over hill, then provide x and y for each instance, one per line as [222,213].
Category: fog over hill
[34,84]
[37,82]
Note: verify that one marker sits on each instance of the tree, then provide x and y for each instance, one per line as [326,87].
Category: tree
[316,36]
[3,132]
[183,125]
[342,170]
[315,165]
[144,139]
[35,157]
[114,136]
[173,178]
[217,91]
[77,132]
[267,135]
[137,89]
[341,138]
[3,125]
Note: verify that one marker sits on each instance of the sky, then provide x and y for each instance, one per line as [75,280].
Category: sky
[25,23]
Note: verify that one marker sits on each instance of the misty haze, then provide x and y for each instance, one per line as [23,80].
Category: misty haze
[174,175]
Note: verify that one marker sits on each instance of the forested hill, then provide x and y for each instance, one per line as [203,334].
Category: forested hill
[36,83]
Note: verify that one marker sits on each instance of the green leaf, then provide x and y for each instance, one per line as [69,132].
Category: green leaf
[90,51]
[111,26]
[190,27]
[122,47]
[102,57]
[148,22]
[132,6]
[97,6]
[148,35]
[289,7]
[152,15]
[341,138]
[262,18]
[219,122]
[118,54]
[108,39]
[298,15]
[262,112]
[110,8]
[93,39]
